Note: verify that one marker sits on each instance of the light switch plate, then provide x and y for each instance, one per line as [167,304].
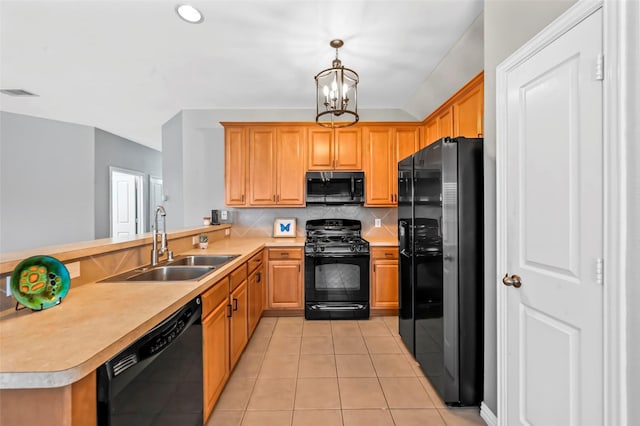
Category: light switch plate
[223,215]
[378,223]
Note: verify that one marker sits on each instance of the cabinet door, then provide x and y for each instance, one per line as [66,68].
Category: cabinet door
[239,318]
[407,142]
[285,284]
[215,356]
[235,166]
[379,164]
[431,132]
[347,151]
[291,169]
[256,297]
[384,284]
[467,113]
[320,149]
[262,166]
[445,123]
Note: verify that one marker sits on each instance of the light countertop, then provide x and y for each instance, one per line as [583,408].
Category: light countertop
[62,344]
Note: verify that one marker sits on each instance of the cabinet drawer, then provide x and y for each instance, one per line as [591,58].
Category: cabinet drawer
[255,262]
[215,295]
[285,253]
[384,252]
[238,276]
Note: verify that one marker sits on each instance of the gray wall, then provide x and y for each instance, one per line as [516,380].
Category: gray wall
[172,171]
[46,182]
[508,25]
[114,151]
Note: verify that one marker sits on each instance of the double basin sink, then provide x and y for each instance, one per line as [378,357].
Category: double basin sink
[183,268]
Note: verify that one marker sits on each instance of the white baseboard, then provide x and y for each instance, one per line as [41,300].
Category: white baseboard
[487,415]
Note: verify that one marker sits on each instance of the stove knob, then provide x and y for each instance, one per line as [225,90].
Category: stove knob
[322,248]
[352,248]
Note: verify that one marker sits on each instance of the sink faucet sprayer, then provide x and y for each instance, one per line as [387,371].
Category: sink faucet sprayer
[155,251]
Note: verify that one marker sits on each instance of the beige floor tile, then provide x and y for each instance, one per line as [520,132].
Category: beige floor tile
[382,345]
[265,327]
[349,345]
[293,329]
[279,366]
[354,366]
[267,418]
[284,345]
[356,393]
[433,394]
[405,392]
[272,394]
[317,345]
[248,366]
[374,327]
[461,416]
[317,393]
[291,320]
[316,328]
[417,417]
[392,324]
[225,418]
[235,394]
[257,345]
[392,365]
[345,328]
[367,418]
[317,417]
[317,366]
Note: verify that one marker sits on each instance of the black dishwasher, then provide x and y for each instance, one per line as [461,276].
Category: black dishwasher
[157,380]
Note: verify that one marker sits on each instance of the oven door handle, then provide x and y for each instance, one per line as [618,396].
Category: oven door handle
[354,307]
[337,256]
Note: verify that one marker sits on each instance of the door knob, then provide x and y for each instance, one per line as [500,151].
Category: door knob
[513,280]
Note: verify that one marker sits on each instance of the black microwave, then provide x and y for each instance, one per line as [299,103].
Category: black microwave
[335,188]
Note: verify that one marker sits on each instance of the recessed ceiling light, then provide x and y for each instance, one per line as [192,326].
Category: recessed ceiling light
[189,13]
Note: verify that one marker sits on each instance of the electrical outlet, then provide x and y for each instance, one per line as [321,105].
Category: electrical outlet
[378,223]
[223,215]
[226,231]
[194,240]
[8,289]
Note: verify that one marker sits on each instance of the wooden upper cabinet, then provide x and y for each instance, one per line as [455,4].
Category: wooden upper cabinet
[342,153]
[379,165]
[407,142]
[235,166]
[431,133]
[468,112]
[320,149]
[262,166]
[290,160]
[445,123]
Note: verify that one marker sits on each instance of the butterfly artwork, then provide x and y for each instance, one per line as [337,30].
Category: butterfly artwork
[284,227]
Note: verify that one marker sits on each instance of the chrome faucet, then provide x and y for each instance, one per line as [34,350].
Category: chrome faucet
[164,248]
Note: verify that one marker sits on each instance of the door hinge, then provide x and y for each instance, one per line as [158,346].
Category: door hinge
[600,67]
[599,271]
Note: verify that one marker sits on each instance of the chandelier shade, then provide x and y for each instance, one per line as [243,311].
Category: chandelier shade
[337,94]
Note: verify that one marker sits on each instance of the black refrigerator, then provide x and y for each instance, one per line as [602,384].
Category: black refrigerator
[440,231]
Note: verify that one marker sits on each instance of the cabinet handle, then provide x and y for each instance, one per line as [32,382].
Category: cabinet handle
[277,198]
[374,267]
[229,312]
[298,268]
[242,198]
[235,304]
[388,254]
[274,198]
[258,277]
[284,254]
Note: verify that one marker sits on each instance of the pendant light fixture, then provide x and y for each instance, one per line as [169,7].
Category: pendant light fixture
[337,94]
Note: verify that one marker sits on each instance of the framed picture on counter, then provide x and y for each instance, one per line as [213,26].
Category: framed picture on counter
[284,227]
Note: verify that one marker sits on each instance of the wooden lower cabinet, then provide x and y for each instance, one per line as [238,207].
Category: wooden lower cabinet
[285,287]
[239,316]
[215,357]
[384,278]
[256,288]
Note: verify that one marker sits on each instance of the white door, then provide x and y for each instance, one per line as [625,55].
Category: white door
[552,175]
[155,196]
[124,204]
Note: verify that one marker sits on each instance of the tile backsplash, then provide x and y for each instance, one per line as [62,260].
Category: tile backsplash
[259,222]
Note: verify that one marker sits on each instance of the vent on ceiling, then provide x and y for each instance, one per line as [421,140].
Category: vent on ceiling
[17,92]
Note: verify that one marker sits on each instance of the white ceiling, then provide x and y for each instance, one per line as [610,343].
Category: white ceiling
[128,66]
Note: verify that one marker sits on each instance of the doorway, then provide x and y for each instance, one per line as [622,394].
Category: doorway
[127,206]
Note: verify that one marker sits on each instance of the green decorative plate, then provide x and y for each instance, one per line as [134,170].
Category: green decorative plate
[40,282]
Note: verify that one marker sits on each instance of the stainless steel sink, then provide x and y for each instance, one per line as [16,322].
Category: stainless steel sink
[171,273]
[198,260]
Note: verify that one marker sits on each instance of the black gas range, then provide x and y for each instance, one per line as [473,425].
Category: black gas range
[336,270]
